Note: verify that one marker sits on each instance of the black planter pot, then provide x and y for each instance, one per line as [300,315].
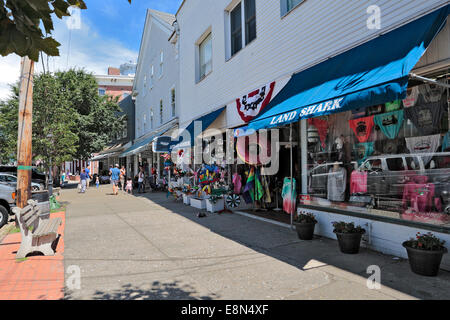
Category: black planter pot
[424,262]
[305,231]
[349,242]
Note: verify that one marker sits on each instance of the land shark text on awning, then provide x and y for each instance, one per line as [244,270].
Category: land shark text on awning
[320,108]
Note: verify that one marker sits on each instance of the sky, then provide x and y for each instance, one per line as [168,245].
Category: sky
[109,34]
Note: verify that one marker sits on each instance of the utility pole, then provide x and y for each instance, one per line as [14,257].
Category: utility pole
[24,148]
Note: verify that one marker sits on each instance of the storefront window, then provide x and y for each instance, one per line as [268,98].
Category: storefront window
[389,160]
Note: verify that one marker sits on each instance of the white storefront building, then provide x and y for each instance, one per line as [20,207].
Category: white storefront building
[155,88]
[228,49]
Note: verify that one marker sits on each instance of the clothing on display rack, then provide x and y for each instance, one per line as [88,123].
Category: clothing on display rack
[253,190]
[289,196]
[362,127]
[389,123]
[426,117]
[418,194]
[336,184]
[358,182]
[237,183]
[426,144]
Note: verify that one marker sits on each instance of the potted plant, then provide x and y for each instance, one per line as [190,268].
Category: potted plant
[425,253]
[304,224]
[349,236]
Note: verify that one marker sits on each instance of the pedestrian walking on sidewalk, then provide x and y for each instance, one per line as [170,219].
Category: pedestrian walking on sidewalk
[88,179]
[97,182]
[83,179]
[115,173]
[123,173]
[129,187]
[141,177]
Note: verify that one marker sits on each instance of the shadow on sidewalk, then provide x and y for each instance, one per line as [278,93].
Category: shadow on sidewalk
[320,253]
[156,291]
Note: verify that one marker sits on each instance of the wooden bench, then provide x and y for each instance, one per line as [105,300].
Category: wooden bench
[38,235]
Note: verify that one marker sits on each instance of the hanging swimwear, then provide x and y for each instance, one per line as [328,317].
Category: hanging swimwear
[389,123]
[426,117]
[289,196]
[322,128]
[362,127]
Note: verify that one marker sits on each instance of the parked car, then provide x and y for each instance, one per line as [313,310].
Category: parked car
[7,202]
[318,178]
[388,174]
[11,179]
[36,176]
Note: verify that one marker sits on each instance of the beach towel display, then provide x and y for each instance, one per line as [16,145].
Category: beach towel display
[289,196]
[362,127]
[389,123]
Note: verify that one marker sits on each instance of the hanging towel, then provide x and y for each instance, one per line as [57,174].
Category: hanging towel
[250,191]
[362,127]
[389,123]
[289,196]
[446,141]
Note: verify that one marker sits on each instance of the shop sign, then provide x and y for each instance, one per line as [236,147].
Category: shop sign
[317,110]
[250,105]
[277,120]
[304,198]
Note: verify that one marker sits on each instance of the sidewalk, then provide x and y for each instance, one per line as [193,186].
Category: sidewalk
[33,278]
[150,247]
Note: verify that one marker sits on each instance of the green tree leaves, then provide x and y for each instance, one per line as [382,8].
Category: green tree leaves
[20,30]
[70,119]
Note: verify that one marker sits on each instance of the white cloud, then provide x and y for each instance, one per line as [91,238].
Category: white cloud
[87,50]
[9,73]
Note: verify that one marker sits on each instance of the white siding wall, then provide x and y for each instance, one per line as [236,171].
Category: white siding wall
[312,32]
[155,41]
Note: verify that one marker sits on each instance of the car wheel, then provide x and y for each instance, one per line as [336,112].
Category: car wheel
[35,188]
[3,216]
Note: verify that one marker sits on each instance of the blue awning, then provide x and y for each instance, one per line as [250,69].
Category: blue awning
[373,73]
[135,148]
[205,121]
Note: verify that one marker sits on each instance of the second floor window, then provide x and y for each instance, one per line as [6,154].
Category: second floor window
[152,72]
[205,53]
[161,111]
[101,92]
[236,29]
[172,101]
[242,26]
[151,118]
[161,62]
[288,5]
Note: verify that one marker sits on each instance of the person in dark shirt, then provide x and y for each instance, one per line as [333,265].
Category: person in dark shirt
[83,179]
